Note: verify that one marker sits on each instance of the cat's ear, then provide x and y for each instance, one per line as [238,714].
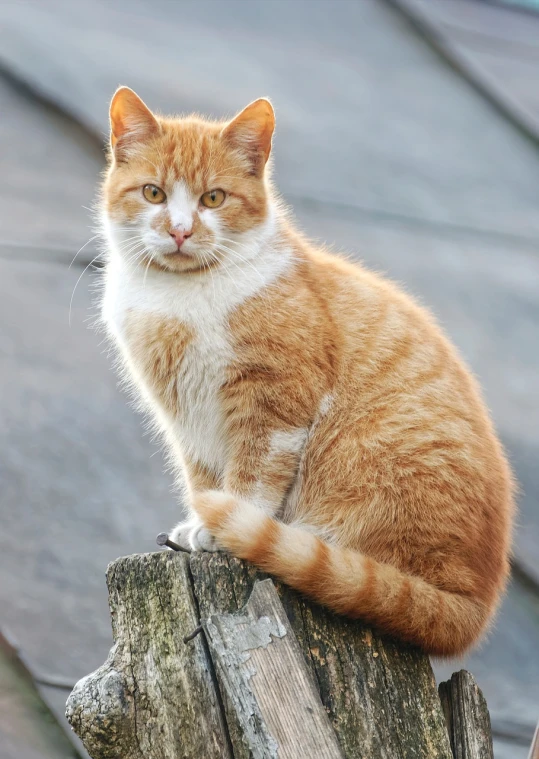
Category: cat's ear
[130,119]
[251,131]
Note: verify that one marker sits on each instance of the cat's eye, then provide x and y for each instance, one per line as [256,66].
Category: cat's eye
[213,198]
[153,194]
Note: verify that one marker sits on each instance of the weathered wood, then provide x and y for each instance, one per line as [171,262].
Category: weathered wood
[380,696]
[158,697]
[467,717]
[154,698]
[261,666]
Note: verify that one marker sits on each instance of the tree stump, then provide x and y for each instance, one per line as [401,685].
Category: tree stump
[274,677]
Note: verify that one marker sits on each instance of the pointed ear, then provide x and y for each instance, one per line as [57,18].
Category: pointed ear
[251,131]
[130,118]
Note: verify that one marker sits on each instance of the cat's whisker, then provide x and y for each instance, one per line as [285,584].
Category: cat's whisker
[228,273]
[249,246]
[239,257]
[126,254]
[81,249]
[150,259]
[77,283]
[124,242]
[129,246]
[210,267]
[229,258]
[264,291]
[133,261]
[237,253]
[246,249]
[127,249]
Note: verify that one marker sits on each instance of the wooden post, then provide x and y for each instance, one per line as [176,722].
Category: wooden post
[271,676]
[467,717]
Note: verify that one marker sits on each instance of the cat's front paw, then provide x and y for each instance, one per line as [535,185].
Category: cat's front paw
[192,535]
[201,539]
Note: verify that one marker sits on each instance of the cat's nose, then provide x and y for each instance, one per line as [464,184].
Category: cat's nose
[180,234]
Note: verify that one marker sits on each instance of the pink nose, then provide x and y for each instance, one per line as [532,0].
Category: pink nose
[180,235]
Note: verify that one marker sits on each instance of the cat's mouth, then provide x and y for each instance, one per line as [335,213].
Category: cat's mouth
[181,262]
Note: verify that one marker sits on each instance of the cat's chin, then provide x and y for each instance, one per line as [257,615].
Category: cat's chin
[179,262]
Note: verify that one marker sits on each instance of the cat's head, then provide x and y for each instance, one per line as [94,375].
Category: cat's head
[183,192]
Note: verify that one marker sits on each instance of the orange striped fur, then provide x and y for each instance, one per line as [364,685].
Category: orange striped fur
[325,428]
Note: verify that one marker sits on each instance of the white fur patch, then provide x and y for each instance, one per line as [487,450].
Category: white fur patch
[182,206]
[294,495]
[325,405]
[203,302]
[282,441]
[287,441]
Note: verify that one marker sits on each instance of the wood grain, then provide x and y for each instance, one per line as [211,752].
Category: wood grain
[467,717]
[260,664]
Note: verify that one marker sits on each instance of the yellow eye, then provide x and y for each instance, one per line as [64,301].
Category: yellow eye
[153,194]
[213,198]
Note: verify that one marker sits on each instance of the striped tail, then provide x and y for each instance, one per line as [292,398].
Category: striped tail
[350,583]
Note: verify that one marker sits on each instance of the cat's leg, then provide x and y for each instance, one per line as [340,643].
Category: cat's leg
[261,472]
[191,534]
[267,424]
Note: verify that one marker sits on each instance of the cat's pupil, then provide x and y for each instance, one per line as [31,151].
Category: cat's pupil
[154,191]
[212,196]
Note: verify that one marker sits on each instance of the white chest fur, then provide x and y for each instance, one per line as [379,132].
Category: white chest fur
[203,303]
[199,428]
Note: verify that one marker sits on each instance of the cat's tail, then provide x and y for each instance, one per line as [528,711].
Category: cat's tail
[350,583]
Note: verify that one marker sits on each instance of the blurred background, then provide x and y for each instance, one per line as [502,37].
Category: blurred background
[407,133]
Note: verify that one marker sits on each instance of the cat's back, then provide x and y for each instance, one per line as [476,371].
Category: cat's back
[384,333]
[399,388]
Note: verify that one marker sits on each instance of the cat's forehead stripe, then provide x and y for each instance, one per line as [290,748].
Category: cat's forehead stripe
[190,157]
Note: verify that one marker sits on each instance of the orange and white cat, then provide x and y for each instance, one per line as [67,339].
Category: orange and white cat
[326,429]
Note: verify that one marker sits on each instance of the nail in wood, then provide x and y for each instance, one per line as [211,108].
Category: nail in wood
[193,635]
[163,540]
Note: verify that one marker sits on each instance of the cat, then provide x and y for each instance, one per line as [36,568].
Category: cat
[325,428]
